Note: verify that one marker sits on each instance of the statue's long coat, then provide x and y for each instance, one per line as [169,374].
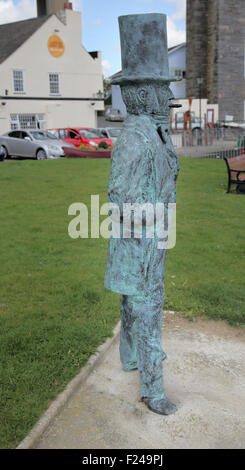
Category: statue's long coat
[143,170]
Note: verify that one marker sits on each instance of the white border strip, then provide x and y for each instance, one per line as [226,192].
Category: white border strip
[64,396]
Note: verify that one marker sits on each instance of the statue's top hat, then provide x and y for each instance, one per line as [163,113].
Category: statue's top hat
[144,49]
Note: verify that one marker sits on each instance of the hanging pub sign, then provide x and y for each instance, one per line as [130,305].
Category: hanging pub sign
[56,46]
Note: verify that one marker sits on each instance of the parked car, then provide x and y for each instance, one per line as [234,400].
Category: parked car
[113,114]
[111,133]
[31,144]
[78,136]
[49,135]
[2,154]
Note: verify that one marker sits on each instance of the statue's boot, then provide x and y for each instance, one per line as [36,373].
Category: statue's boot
[162,406]
[141,347]
[127,366]
[150,357]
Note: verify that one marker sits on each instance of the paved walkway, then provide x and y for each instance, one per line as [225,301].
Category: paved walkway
[204,376]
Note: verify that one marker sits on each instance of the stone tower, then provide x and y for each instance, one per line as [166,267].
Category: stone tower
[196,46]
[215,52]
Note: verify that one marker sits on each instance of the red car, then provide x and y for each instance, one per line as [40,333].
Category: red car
[78,136]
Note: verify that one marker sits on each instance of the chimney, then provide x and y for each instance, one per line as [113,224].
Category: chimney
[68,6]
[50,7]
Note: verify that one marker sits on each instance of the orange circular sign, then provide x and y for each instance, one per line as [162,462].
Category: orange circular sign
[56,46]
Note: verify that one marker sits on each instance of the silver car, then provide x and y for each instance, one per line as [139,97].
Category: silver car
[1,154]
[32,144]
[110,133]
[113,114]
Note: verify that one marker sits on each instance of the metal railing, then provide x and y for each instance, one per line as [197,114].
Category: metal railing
[211,142]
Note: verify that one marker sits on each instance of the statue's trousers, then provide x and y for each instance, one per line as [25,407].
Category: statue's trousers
[141,341]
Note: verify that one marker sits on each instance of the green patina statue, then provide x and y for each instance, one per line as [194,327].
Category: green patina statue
[144,170]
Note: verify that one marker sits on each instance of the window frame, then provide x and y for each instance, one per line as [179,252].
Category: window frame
[21,120]
[18,92]
[178,73]
[59,90]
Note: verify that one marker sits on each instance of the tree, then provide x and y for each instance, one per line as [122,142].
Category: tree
[107,90]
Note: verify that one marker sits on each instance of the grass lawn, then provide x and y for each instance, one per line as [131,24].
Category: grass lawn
[54,310]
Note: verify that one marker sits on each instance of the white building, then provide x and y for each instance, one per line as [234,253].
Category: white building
[177,68]
[47,77]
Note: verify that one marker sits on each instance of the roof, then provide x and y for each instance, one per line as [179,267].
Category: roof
[13,35]
[174,48]
[117,74]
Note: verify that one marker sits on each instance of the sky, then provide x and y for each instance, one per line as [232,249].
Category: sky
[100,22]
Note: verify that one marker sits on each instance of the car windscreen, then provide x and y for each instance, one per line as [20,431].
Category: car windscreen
[49,135]
[90,133]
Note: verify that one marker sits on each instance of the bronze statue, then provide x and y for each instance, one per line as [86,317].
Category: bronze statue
[144,170]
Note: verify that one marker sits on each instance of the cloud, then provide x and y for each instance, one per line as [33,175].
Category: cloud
[77,5]
[24,9]
[10,12]
[175,35]
[106,67]
[180,13]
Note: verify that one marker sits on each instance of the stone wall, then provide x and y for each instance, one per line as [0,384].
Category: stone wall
[196,47]
[215,50]
[212,52]
[231,45]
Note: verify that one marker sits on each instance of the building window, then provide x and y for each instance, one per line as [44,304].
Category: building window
[54,84]
[18,80]
[27,121]
[14,122]
[178,73]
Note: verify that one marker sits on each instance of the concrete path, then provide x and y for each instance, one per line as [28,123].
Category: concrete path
[204,376]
